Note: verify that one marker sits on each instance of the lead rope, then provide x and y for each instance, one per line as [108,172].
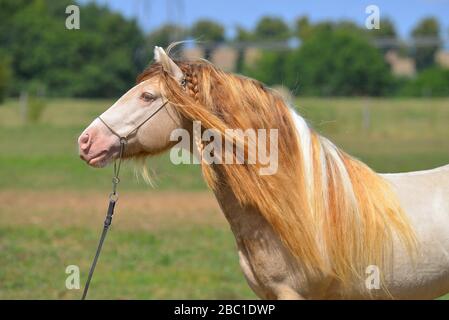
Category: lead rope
[113,197]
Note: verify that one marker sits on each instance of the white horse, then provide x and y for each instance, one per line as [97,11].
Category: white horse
[324,226]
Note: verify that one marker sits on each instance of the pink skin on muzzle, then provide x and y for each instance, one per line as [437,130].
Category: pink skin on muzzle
[97,146]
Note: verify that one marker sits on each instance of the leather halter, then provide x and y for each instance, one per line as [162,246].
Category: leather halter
[125,137]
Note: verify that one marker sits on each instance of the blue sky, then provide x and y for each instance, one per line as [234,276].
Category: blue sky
[153,13]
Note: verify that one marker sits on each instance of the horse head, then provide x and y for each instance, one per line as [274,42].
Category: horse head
[143,117]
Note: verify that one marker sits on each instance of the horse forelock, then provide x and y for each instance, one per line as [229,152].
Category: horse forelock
[330,210]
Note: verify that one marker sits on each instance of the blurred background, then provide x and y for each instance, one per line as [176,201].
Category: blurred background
[380,94]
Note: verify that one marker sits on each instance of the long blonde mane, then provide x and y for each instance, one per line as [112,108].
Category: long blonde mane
[333,213]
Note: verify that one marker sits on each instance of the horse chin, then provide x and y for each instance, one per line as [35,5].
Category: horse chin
[102,159]
[100,163]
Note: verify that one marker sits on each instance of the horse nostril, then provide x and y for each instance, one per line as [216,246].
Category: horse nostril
[84,141]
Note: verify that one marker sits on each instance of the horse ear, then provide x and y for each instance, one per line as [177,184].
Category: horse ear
[168,64]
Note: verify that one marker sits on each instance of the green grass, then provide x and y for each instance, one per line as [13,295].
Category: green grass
[403,135]
[179,260]
[188,262]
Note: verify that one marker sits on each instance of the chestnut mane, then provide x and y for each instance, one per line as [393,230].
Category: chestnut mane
[332,212]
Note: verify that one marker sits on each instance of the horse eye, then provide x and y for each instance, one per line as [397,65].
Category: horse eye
[147,97]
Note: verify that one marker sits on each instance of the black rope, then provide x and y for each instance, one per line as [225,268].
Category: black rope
[107,223]
[113,197]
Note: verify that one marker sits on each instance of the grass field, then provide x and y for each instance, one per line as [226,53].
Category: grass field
[172,241]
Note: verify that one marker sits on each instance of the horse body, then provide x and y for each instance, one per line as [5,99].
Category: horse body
[272,272]
[311,229]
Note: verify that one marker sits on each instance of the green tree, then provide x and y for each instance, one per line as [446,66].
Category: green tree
[243,35]
[5,77]
[430,82]
[270,68]
[303,28]
[426,30]
[165,35]
[337,63]
[208,30]
[210,33]
[386,29]
[271,28]
[333,59]
[385,36]
[100,59]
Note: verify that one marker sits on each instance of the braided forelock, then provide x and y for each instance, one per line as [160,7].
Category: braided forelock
[191,81]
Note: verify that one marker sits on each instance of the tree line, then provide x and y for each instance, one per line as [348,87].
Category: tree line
[102,58]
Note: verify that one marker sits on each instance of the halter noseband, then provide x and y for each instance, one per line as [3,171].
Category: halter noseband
[125,137]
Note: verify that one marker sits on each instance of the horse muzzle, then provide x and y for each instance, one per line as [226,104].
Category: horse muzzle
[97,147]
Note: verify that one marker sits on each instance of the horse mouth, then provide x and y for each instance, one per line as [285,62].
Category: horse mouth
[100,160]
